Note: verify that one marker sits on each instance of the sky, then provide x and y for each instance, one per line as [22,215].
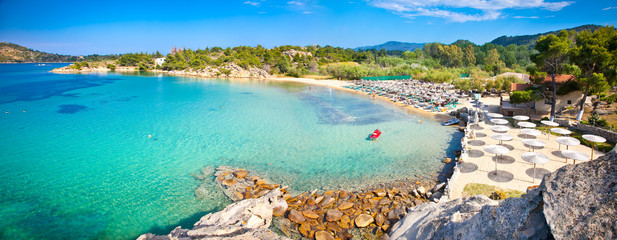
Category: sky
[114,27]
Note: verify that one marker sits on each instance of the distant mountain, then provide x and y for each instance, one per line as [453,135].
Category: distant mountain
[13,53]
[392,45]
[531,39]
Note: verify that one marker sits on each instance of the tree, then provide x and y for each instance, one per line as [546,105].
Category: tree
[551,57]
[527,97]
[492,62]
[592,56]
[470,56]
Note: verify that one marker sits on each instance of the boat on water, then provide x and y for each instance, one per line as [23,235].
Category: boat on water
[375,135]
[450,122]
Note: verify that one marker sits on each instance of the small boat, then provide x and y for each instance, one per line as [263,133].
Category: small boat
[450,122]
[375,135]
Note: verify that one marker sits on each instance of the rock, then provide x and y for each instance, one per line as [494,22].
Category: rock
[345,222]
[447,160]
[421,190]
[344,206]
[229,182]
[246,219]
[296,216]
[241,173]
[333,215]
[323,235]
[319,199]
[415,193]
[310,214]
[380,193]
[305,229]
[396,214]
[363,220]
[438,187]
[279,211]
[327,202]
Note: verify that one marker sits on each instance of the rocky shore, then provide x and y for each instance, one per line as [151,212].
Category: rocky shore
[575,202]
[228,70]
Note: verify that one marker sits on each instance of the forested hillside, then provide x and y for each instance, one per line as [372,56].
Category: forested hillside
[529,40]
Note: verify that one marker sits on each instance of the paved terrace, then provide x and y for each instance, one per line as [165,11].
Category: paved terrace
[513,172]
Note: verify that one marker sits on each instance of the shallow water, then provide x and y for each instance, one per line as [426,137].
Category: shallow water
[78,162]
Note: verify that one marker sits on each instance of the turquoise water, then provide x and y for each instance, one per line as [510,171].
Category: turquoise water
[77,162]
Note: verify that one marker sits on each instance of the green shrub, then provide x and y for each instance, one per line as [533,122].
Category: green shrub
[111,66]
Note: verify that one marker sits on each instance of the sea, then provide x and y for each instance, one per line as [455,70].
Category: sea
[113,156]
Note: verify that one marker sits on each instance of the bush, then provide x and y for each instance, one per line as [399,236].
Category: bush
[544,119]
[596,120]
[498,195]
[111,66]
[610,99]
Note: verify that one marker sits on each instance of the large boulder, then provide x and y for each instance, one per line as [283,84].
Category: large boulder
[574,202]
[246,219]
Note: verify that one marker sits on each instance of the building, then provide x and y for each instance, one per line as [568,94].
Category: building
[542,106]
[159,61]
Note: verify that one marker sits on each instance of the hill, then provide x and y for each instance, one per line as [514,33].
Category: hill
[531,39]
[393,45]
[13,53]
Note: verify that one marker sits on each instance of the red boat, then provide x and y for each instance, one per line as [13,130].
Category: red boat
[375,135]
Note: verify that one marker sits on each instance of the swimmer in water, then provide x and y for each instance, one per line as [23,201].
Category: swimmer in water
[221,106]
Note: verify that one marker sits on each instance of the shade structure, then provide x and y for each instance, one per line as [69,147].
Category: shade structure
[500,128]
[574,155]
[533,143]
[550,123]
[535,158]
[593,139]
[499,121]
[561,131]
[495,115]
[529,131]
[502,137]
[496,149]
[520,118]
[568,141]
[527,124]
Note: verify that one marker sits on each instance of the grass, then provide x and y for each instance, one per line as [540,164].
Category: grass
[472,189]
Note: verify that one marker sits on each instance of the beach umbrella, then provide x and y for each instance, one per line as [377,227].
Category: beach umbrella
[521,118]
[499,121]
[561,131]
[535,158]
[533,143]
[529,131]
[495,115]
[496,149]
[500,128]
[568,141]
[593,139]
[502,137]
[550,123]
[526,124]
[574,155]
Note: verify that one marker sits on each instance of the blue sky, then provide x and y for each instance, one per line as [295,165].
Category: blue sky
[104,27]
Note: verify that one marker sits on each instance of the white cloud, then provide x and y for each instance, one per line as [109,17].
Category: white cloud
[609,8]
[252,3]
[297,3]
[306,12]
[527,17]
[463,11]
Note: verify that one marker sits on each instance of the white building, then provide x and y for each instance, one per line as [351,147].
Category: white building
[159,61]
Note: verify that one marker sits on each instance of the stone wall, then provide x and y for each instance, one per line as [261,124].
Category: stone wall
[609,135]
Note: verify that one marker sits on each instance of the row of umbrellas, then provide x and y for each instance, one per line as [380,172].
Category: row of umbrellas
[532,156]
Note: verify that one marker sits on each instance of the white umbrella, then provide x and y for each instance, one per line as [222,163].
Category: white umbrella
[499,121]
[534,143]
[496,149]
[502,137]
[495,115]
[593,139]
[535,158]
[521,118]
[550,123]
[561,131]
[527,124]
[574,155]
[529,131]
[500,128]
[568,141]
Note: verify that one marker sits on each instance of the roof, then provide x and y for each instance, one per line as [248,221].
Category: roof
[559,79]
[519,87]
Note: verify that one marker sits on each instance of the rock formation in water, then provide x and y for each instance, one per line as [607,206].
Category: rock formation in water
[575,202]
